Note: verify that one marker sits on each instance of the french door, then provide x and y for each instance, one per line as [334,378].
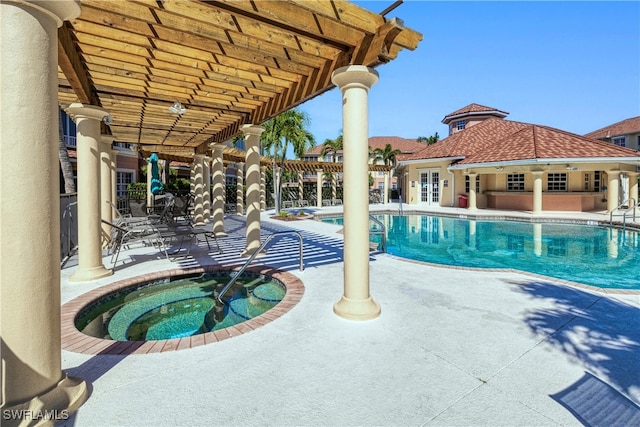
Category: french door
[430,187]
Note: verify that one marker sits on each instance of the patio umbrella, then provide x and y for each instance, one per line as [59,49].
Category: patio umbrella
[156,184]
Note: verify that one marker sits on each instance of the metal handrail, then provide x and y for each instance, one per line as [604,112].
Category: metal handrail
[382,232]
[628,206]
[253,256]
[400,211]
[73,250]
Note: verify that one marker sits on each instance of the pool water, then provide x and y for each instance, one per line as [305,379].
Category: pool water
[179,307]
[593,255]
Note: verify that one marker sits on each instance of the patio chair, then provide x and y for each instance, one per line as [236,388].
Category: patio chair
[126,235]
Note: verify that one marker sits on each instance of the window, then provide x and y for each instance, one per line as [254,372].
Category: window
[466,184]
[122,145]
[460,124]
[557,182]
[587,182]
[122,180]
[68,130]
[515,182]
[597,181]
[620,141]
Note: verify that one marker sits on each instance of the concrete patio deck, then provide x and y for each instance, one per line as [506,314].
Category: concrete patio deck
[454,347]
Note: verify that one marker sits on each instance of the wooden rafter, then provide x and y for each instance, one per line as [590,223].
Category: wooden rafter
[230,63]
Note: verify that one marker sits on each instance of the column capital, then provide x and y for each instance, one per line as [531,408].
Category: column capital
[537,173]
[250,129]
[354,76]
[88,111]
[60,11]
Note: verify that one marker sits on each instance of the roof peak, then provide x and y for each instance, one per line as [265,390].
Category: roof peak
[474,109]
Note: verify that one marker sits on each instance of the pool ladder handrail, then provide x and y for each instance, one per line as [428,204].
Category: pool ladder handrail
[255,254]
[629,205]
[400,211]
[382,232]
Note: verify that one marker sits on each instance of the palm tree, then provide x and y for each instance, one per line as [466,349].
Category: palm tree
[387,155]
[430,140]
[332,146]
[280,131]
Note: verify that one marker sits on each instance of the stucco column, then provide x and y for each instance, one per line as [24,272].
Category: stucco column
[613,192]
[218,190]
[537,192]
[385,198]
[87,118]
[106,211]
[192,177]
[198,189]
[334,187]
[263,189]
[113,157]
[633,186]
[319,173]
[151,200]
[354,82]
[473,198]
[32,378]
[300,185]
[239,191]
[206,188]
[252,146]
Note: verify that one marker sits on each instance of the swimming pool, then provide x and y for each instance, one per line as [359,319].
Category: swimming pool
[593,255]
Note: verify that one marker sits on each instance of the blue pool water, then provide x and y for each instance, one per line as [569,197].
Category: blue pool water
[593,255]
[179,307]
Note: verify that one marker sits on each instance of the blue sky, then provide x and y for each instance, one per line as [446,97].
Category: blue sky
[570,65]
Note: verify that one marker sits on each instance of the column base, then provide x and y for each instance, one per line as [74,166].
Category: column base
[88,274]
[357,309]
[53,406]
[247,252]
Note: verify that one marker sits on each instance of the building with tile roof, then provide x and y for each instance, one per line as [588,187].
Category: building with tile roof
[625,133]
[495,163]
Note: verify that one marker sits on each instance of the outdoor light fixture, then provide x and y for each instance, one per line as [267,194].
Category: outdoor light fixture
[107,120]
[570,168]
[177,108]
[499,168]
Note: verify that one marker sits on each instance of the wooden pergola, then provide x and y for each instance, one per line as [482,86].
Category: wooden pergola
[227,63]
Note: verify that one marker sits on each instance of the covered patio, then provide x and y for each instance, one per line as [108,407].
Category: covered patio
[172,77]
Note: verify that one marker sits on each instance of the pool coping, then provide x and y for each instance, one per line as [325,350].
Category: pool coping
[75,341]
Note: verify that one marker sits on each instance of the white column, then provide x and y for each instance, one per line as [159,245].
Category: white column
[114,176]
[206,188]
[473,201]
[88,118]
[218,190]
[31,376]
[319,173]
[239,190]
[263,189]
[385,198]
[613,191]
[151,200]
[354,82]
[300,185]
[198,184]
[252,146]
[106,211]
[633,187]
[537,192]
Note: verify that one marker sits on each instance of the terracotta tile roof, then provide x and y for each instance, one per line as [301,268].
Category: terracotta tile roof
[497,140]
[398,143]
[474,108]
[624,127]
